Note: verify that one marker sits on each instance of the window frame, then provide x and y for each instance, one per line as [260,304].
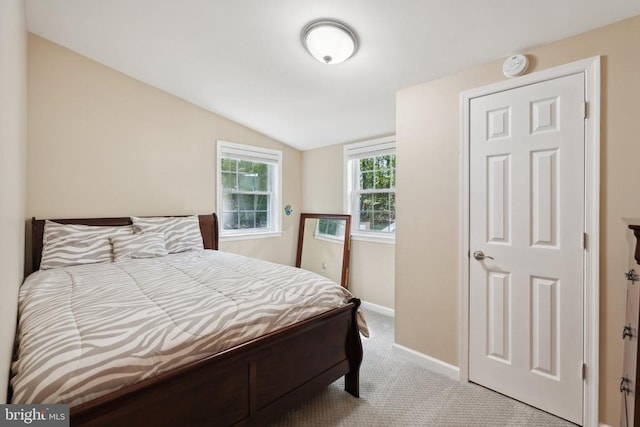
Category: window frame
[353,153]
[333,238]
[233,150]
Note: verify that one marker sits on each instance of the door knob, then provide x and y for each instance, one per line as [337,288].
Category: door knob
[479,255]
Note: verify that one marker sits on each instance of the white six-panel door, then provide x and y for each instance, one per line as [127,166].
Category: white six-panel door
[527,213]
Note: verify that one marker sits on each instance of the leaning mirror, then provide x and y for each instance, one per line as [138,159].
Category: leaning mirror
[324,244]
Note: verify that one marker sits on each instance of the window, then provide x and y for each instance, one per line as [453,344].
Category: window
[370,185]
[330,229]
[249,187]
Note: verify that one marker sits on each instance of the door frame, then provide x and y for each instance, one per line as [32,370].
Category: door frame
[591,69]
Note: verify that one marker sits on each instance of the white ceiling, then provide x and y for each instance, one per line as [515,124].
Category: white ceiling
[243,59]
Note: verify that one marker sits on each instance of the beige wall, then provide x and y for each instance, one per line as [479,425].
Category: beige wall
[428,135]
[372,272]
[322,184]
[13,85]
[103,144]
[372,265]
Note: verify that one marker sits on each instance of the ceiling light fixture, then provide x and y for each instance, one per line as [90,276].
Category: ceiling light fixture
[329,41]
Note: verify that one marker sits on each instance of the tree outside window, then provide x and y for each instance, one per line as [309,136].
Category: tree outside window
[376,194]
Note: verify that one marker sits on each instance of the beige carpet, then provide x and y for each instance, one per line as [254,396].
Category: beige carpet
[395,391]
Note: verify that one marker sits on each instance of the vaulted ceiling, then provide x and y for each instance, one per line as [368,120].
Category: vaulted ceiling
[243,59]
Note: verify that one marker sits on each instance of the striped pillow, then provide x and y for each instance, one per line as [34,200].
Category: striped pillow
[147,245]
[180,233]
[73,244]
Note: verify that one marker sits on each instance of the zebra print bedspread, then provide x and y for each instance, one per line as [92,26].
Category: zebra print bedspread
[87,330]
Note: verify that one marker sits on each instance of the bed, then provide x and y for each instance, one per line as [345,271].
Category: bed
[248,383]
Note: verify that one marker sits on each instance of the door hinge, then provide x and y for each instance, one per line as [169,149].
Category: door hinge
[583,371]
[585,240]
[585,110]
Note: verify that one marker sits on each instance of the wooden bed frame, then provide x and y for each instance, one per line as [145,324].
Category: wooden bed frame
[249,384]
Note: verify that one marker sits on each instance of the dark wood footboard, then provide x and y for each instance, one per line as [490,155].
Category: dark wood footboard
[250,384]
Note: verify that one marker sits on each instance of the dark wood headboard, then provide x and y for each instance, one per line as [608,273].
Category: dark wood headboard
[208,229]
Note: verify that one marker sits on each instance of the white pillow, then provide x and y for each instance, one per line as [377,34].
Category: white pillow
[74,244]
[147,245]
[180,233]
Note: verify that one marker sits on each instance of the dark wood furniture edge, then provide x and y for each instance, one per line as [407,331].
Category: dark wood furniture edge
[346,247]
[636,232]
[636,255]
[208,229]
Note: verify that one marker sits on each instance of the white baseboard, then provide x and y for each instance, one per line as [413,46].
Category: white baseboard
[429,362]
[378,308]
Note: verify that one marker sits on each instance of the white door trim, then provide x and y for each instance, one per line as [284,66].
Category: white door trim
[591,69]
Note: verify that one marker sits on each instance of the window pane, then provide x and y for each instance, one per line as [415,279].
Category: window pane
[381,162]
[247,202]
[366,180]
[383,178]
[366,164]
[247,219]
[229,180]
[262,179]
[331,227]
[365,220]
[392,204]
[262,202]
[262,220]
[229,165]
[230,221]
[229,202]
[246,181]
[245,166]
[381,202]
[381,221]
[366,202]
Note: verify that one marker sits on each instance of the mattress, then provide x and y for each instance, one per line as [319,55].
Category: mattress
[88,330]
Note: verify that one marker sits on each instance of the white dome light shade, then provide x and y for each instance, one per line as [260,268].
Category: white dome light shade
[330,42]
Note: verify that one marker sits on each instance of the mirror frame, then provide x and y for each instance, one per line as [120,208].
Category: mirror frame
[346,246]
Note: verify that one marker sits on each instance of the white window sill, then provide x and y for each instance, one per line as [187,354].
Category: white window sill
[228,237]
[374,237]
